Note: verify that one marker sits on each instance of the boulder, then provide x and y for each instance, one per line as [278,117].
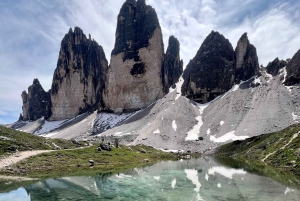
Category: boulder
[105,147]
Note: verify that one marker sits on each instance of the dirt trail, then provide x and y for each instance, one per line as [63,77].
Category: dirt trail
[18,156]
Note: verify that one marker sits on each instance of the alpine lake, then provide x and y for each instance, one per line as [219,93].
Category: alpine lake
[204,178]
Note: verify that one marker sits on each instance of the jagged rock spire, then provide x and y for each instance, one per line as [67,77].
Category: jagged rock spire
[274,66]
[246,60]
[211,72]
[79,78]
[36,103]
[134,76]
[293,70]
[173,66]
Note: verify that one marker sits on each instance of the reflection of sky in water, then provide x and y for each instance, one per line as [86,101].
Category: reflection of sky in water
[195,179]
[19,194]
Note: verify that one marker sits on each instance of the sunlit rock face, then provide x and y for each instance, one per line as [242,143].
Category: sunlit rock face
[134,75]
[36,103]
[211,72]
[274,66]
[246,60]
[173,66]
[79,79]
[293,70]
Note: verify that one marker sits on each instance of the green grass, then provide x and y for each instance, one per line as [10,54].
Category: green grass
[26,141]
[257,148]
[76,162]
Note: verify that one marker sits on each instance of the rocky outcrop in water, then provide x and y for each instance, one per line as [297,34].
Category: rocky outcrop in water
[274,66]
[173,66]
[36,103]
[136,60]
[246,60]
[79,78]
[211,72]
[293,70]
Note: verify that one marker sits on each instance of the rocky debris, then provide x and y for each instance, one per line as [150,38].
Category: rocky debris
[211,72]
[36,103]
[136,60]
[293,70]
[246,60]
[105,147]
[91,162]
[79,78]
[274,66]
[172,66]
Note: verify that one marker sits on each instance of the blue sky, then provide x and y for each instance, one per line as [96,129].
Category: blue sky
[31,32]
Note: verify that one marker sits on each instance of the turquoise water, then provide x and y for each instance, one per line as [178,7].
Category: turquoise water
[195,179]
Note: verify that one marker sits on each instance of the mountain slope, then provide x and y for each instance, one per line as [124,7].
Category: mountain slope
[280,149]
[260,105]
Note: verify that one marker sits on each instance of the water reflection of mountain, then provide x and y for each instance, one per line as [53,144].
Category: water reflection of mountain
[196,179]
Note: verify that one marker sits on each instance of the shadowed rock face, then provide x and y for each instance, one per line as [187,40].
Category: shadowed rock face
[173,66]
[79,78]
[293,70]
[211,72]
[274,66]
[134,75]
[246,60]
[36,103]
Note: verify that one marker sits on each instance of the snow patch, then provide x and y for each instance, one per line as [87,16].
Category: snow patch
[193,134]
[219,185]
[234,88]
[157,178]
[105,121]
[171,150]
[295,117]
[269,76]
[206,177]
[257,80]
[221,123]
[49,126]
[49,135]
[156,131]
[289,88]
[283,72]
[174,126]
[208,131]
[228,136]
[226,172]
[177,88]
[288,190]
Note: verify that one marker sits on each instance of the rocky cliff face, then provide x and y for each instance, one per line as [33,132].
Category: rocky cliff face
[293,70]
[246,60]
[36,103]
[211,72]
[136,60]
[79,78]
[173,66]
[274,66]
